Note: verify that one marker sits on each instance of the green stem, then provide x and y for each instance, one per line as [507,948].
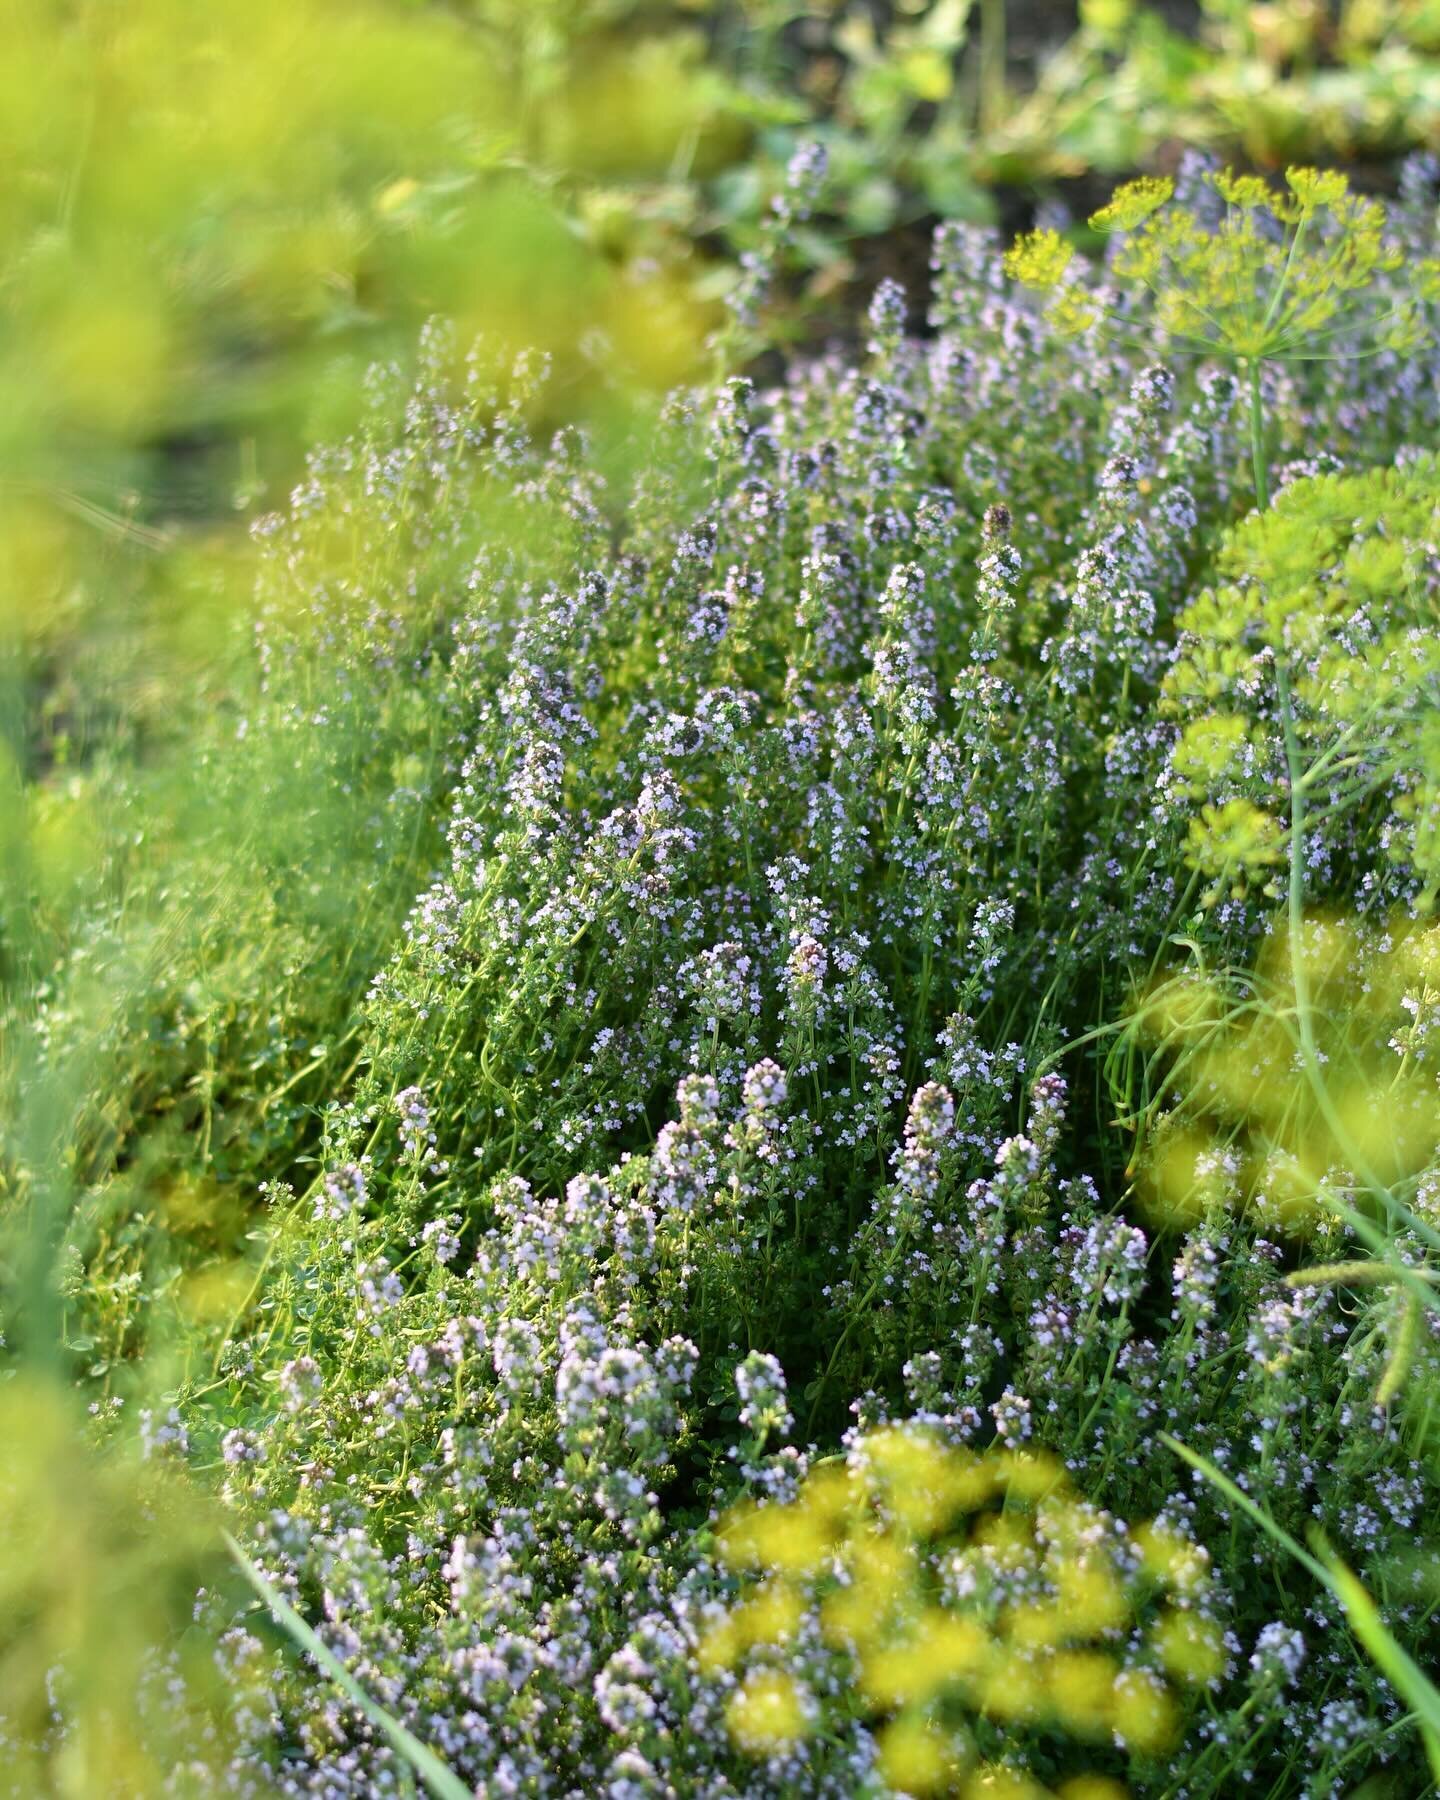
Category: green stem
[992,65]
[1299,974]
[1257,438]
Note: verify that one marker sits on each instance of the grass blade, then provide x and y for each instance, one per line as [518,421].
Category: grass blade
[440,1782]
[1404,1674]
[1238,1497]
[1407,1678]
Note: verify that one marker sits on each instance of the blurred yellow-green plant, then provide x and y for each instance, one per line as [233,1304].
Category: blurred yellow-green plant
[1341,1127]
[214,218]
[103,1690]
[964,1594]
[1233,1119]
[1359,77]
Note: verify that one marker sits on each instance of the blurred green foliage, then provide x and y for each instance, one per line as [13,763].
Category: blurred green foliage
[213,216]
[102,1688]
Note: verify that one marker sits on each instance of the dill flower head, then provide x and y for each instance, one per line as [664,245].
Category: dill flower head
[1281,275]
[1244,1131]
[769,1711]
[953,1587]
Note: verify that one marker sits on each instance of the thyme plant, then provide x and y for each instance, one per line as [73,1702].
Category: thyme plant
[724,1264]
